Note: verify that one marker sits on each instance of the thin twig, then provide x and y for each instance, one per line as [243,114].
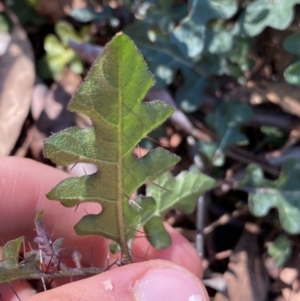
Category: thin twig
[200,226]
[225,219]
[248,158]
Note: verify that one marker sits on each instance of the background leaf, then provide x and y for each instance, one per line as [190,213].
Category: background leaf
[180,192]
[262,13]
[218,52]
[189,35]
[165,61]
[58,54]
[282,194]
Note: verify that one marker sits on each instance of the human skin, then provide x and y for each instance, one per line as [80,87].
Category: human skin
[170,274]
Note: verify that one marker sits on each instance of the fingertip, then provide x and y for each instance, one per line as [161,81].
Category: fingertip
[180,252]
[155,285]
[18,290]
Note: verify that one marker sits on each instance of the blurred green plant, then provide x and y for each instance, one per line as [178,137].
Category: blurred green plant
[59,54]
[280,250]
[259,14]
[195,44]
[282,194]
[195,40]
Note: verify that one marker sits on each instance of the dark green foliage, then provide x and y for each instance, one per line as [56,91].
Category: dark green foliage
[262,13]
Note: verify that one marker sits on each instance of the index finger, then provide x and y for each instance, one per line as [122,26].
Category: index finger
[23,186]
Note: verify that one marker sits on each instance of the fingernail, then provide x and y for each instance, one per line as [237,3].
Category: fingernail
[168,283]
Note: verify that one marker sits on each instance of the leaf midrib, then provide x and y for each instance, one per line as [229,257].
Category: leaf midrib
[120,194]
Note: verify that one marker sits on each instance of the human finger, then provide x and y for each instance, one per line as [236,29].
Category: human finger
[180,252]
[146,281]
[22,191]
[18,290]
[23,186]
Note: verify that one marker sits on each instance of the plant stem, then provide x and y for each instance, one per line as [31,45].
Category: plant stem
[125,254]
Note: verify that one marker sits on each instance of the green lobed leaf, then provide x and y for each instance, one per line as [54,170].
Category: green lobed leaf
[144,213]
[259,14]
[181,192]
[282,194]
[111,96]
[166,192]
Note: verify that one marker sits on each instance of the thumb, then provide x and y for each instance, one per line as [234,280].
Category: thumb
[153,280]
